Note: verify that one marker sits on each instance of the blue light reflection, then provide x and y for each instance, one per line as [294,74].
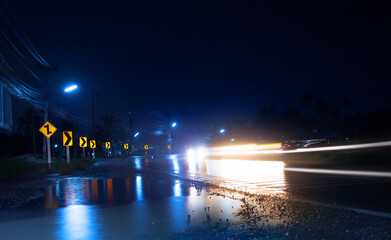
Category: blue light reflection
[175,164]
[76,223]
[139,188]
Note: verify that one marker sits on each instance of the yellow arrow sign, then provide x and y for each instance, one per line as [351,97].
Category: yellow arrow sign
[126,146]
[67,139]
[92,144]
[146,147]
[48,129]
[108,145]
[83,141]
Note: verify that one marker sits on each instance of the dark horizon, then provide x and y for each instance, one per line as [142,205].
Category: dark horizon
[209,61]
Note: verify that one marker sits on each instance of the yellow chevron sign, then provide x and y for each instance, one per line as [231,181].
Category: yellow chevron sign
[83,141]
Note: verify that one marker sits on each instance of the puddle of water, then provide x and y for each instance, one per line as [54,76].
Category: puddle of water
[135,208]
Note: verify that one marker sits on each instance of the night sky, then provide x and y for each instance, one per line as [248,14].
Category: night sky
[212,60]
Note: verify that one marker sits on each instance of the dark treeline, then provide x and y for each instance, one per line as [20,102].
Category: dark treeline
[272,125]
[316,119]
[311,119]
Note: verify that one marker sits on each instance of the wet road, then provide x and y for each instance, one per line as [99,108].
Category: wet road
[138,207]
[144,201]
[276,178]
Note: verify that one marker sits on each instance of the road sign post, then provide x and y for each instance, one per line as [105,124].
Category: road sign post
[48,129]
[67,141]
[68,155]
[108,146]
[126,147]
[93,146]
[49,153]
[83,145]
[146,149]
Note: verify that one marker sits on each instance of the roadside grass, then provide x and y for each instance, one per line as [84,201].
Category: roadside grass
[25,167]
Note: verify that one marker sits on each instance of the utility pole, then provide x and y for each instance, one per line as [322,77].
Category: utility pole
[92,114]
[45,115]
[74,128]
[92,120]
[46,104]
[131,123]
[33,121]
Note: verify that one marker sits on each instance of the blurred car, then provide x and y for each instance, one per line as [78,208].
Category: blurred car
[292,145]
[295,144]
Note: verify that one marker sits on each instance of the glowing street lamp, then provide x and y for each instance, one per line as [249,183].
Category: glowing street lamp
[136,134]
[70,88]
[173,125]
[222,131]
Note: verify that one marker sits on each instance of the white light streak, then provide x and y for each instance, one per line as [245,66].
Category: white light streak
[275,148]
[246,149]
[345,147]
[340,172]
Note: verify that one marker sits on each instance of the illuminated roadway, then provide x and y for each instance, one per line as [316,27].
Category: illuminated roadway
[137,198]
[360,190]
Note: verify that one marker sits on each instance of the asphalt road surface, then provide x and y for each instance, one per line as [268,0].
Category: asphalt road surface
[345,188]
[165,198]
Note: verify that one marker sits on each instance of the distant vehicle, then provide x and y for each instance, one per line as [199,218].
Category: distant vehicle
[292,145]
[295,144]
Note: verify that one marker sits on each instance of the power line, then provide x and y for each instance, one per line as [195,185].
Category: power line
[14,25]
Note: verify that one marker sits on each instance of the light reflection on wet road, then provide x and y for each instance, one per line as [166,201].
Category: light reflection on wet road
[117,208]
[270,178]
[144,206]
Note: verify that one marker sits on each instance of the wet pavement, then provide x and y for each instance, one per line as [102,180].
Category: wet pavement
[173,196]
[117,208]
[270,178]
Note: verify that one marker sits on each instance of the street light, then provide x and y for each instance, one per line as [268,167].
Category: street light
[70,88]
[169,140]
[136,134]
[222,131]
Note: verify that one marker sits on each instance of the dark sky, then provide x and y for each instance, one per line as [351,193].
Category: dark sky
[219,60]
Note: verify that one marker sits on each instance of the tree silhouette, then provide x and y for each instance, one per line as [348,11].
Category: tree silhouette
[306,101]
[345,104]
[28,126]
[321,108]
[110,130]
[335,112]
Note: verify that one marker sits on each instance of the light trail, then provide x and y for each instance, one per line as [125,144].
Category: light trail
[346,147]
[275,148]
[248,149]
[340,172]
